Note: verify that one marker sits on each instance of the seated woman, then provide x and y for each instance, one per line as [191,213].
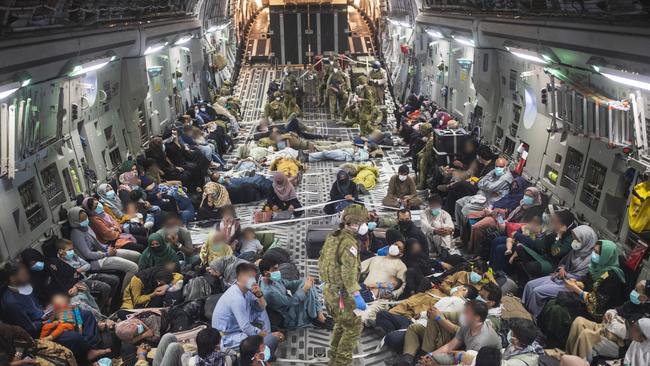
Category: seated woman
[224,269]
[342,189]
[107,230]
[158,253]
[230,227]
[589,339]
[99,256]
[156,152]
[530,205]
[283,197]
[419,267]
[188,160]
[503,252]
[602,289]
[215,197]
[402,191]
[573,266]
[438,227]
[214,248]
[148,288]
[539,256]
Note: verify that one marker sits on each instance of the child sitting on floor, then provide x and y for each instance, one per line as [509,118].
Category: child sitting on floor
[60,317]
[249,242]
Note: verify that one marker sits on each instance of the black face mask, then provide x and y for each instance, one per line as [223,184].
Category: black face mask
[404,224]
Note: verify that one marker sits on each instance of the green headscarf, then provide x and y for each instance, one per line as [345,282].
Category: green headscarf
[608,261]
[158,256]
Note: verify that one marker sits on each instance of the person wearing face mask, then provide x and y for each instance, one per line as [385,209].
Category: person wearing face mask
[472,335]
[438,226]
[339,266]
[107,230]
[522,345]
[342,189]
[100,256]
[402,192]
[158,253]
[589,339]
[20,307]
[297,301]
[573,266]
[338,87]
[254,352]
[111,203]
[603,288]
[105,285]
[381,270]
[148,287]
[275,110]
[407,228]
[491,188]
[241,312]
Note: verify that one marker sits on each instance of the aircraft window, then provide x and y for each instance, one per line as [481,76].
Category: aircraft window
[530,113]
[513,80]
[486,62]
[560,104]
[89,85]
[509,147]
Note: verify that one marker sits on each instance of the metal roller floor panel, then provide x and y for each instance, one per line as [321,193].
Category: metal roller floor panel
[309,345]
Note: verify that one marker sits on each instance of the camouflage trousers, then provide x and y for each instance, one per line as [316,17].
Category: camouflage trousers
[347,328]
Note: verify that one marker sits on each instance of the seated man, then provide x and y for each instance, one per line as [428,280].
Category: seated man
[473,335]
[407,228]
[402,191]
[438,226]
[492,187]
[442,324]
[241,312]
[297,301]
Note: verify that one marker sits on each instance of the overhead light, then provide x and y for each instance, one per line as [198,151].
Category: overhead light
[619,73]
[8,89]
[464,41]
[544,56]
[24,78]
[92,65]
[435,33]
[155,48]
[217,27]
[183,40]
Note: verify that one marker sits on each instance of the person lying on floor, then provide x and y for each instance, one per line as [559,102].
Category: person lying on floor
[401,190]
[241,312]
[353,153]
[381,271]
[297,301]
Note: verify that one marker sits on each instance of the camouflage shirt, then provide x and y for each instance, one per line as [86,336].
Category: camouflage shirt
[339,262]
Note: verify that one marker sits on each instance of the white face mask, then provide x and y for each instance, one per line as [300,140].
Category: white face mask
[576,245]
[393,250]
[462,321]
[25,289]
[403,177]
[363,229]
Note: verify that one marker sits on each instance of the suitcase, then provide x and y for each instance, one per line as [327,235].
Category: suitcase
[450,141]
[316,235]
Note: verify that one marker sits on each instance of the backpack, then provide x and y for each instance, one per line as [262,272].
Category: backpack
[639,209]
[197,288]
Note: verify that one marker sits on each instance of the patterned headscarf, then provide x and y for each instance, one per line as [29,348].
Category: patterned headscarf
[115,204]
[608,261]
[283,188]
[216,194]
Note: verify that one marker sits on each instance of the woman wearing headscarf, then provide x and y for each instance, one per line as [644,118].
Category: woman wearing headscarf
[158,253]
[419,267]
[639,351]
[283,197]
[148,287]
[541,255]
[215,197]
[342,189]
[225,268]
[50,276]
[99,256]
[17,347]
[215,247]
[529,205]
[602,289]
[573,266]
[107,230]
[111,202]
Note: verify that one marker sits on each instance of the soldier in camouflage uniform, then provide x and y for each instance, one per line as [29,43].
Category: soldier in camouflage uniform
[338,87]
[377,79]
[226,88]
[275,110]
[339,267]
[350,114]
[326,71]
[425,156]
[367,103]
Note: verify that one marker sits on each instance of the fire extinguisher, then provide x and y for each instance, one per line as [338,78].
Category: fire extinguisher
[523,155]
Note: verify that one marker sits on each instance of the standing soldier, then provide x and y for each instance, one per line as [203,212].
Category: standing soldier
[339,267]
[424,156]
[275,110]
[377,79]
[226,88]
[326,71]
[338,87]
[367,102]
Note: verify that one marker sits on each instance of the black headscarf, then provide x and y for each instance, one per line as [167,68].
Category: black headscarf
[147,276]
[343,186]
[56,276]
[393,236]
[419,261]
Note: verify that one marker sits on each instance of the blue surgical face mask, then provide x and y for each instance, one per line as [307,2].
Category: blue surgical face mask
[435,211]
[69,254]
[276,276]
[634,297]
[110,195]
[454,289]
[480,298]
[38,266]
[100,208]
[372,225]
[221,180]
[140,328]
[474,277]
[105,361]
[499,171]
[527,200]
[250,282]
[84,223]
[595,257]
[267,353]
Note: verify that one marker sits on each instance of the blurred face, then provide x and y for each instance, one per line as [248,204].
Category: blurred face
[556,224]
[485,294]
[60,300]
[244,277]
[640,288]
[416,247]
[83,216]
[21,278]
[170,266]
[435,205]
[132,208]
[636,333]
[469,147]
[173,223]
[470,317]
[249,235]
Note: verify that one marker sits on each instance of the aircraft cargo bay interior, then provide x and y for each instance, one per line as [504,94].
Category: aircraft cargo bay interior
[336,182]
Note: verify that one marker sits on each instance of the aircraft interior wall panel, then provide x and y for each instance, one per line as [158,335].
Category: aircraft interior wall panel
[460,81]
[134,91]
[563,166]
[158,104]
[488,89]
